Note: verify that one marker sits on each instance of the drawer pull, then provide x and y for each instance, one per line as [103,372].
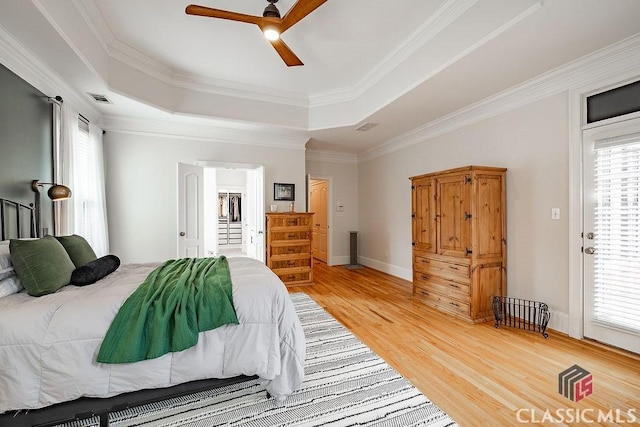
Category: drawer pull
[292,236]
[453,285]
[454,303]
[425,277]
[454,267]
[425,261]
[424,293]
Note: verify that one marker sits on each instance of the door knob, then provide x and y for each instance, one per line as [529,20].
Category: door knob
[590,250]
[182,234]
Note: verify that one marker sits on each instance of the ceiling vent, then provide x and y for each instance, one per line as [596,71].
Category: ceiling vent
[99,98]
[366,126]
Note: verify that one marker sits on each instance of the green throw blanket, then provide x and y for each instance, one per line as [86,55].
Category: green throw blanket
[176,301]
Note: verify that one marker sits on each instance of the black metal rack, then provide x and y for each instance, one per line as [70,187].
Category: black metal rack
[521,314]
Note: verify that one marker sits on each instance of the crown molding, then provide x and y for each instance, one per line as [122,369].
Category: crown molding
[126,54]
[330,157]
[439,20]
[218,133]
[91,14]
[141,62]
[621,58]
[20,61]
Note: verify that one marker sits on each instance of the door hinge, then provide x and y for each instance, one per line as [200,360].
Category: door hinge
[467,180]
[413,215]
[413,187]
[467,216]
[413,243]
[467,251]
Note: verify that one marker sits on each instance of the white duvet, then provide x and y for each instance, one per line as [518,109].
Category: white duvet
[48,345]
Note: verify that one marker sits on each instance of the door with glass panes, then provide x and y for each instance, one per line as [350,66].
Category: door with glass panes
[611,235]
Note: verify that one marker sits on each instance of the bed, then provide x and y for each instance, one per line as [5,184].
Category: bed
[48,344]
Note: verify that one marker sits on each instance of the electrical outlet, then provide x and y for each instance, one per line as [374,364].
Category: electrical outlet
[555,213]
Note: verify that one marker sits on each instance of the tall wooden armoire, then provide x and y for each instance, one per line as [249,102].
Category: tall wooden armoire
[459,240]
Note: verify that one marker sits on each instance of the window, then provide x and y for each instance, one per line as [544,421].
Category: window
[89,219]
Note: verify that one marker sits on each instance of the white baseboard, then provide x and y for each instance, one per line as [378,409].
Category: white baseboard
[339,260]
[559,322]
[394,270]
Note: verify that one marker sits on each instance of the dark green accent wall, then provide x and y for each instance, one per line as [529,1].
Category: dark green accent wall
[26,148]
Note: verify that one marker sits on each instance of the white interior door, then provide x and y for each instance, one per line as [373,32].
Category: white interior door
[259,214]
[611,235]
[190,211]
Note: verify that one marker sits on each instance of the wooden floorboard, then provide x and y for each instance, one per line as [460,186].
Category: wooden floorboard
[478,374]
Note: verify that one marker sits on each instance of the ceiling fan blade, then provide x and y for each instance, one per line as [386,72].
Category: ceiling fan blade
[298,11]
[285,53]
[194,9]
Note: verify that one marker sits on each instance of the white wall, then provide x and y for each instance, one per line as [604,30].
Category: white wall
[344,189]
[141,186]
[532,143]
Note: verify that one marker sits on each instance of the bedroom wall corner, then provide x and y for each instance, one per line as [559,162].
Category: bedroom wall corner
[25,141]
[532,143]
[141,185]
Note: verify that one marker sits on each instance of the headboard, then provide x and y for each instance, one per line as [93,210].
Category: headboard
[17,220]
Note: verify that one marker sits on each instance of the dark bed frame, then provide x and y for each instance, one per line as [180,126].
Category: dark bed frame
[17,220]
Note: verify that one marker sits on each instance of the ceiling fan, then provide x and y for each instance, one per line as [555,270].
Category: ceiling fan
[271,24]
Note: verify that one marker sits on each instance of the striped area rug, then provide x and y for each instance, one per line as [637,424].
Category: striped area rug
[345,384]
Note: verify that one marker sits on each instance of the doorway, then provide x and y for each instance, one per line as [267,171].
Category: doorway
[221,210]
[611,235]
[318,204]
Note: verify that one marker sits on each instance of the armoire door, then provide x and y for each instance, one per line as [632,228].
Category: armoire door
[454,215]
[424,215]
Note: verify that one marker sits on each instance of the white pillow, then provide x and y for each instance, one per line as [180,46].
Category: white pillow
[5,256]
[10,285]
[6,272]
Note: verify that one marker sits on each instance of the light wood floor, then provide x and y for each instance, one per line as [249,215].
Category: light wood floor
[479,375]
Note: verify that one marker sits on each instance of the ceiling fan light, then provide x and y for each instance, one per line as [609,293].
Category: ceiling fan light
[271,34]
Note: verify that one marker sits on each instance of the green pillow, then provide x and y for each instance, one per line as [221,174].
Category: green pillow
[43,265]
[78,249]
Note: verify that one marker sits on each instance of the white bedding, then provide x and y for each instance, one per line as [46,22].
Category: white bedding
[48,345]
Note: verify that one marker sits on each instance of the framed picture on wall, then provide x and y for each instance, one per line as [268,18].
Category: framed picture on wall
[284,191]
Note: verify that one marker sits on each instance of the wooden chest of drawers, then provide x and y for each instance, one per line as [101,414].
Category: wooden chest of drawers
[289,246]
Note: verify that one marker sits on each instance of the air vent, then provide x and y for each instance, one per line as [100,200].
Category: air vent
[99,98]
[366,126]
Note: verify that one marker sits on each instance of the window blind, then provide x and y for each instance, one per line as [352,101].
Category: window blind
[617,232]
